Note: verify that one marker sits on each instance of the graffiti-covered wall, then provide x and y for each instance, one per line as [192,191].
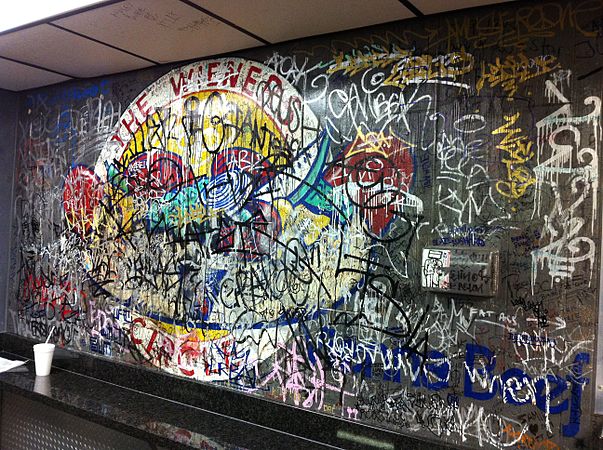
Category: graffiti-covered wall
[397,226]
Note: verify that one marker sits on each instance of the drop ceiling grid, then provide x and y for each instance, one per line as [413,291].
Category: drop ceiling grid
[438,6]
[161,30]
[64,52]
[278,21]
[18,77]
[173,30]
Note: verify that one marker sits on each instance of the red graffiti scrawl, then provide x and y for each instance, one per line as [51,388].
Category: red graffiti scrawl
[82,193]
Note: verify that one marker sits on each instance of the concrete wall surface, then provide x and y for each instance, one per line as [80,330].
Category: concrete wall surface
[8,117]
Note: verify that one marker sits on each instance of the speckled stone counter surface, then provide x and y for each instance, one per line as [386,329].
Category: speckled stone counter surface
[159,421]
[174,413]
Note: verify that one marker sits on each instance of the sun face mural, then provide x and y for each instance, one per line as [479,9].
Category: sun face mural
[207,196]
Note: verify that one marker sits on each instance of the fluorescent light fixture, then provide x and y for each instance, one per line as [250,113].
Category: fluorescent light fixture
[22,12]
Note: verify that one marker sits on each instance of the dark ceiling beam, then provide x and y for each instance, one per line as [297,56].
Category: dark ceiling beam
[413,9]
[61,16]
[85,36]
[35,66]
[226,21]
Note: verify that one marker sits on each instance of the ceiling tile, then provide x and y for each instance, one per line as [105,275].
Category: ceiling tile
[437,6]
[277,20]
[162,30]
[18,77]
[59,50]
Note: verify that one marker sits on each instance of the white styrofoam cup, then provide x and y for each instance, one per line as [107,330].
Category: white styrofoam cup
[43,358]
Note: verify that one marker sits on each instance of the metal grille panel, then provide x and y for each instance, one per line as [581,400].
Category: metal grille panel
[29,425]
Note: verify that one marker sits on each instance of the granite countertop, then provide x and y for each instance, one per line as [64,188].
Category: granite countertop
[173,412]
[157,420]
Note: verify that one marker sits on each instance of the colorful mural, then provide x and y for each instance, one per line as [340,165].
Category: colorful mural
[398,226]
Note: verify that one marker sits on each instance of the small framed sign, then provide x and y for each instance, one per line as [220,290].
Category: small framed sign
[460,270]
